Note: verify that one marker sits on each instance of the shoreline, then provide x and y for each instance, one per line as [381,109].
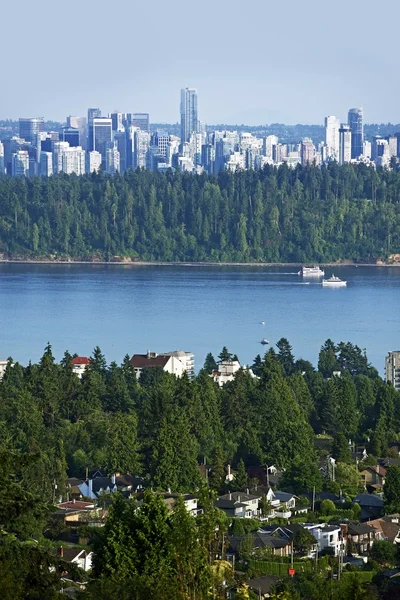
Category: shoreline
[123,263]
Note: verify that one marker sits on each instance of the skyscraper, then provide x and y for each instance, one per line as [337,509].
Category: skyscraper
[332,126]
[355,121]
[344,144]
[70,135]
[189,114]
[30,128]
[100,133]
[307,151]
[141,120]
[2,165]
[93,113]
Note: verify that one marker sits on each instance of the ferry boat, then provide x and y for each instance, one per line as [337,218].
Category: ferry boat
[264,342]
[314,271]
[334,282]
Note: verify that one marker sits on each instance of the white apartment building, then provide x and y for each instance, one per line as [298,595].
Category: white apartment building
[93,161]
[67,159]
[112,159]
[392,369]
[344,144]
[332,126]
[46,164]
[186,358]
[2,165]
[226,371]
[20,163]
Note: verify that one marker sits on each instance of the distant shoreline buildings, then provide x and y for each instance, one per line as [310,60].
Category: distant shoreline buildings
[121,141]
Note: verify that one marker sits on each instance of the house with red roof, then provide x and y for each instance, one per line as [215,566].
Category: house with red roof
[79,365]
[170,362]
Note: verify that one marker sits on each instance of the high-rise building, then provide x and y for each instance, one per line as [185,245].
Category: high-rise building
[141,120]
[307,151]
[93,161]
[392,369]
[20,163]
[68,160]
[100,134]
[2,164]
[70,135]
[141,148]
[189,114]
[112,158]
[30,128]
[81,124]
[46,164]
[269,147]
[332,126]
[93,113]
[117,120]
[344,144]
[355,121]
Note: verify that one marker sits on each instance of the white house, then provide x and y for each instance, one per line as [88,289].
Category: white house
[3,367]
[239,505]
[327,536]
[283,503]
[77,556]
[173,362]
[79,365]
[226,371]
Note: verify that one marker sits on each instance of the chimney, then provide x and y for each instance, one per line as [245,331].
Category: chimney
[148,353]
[73,501]
[90,484]
[230,496]
[113,478]
[247,491]
[228,476]
[61,551]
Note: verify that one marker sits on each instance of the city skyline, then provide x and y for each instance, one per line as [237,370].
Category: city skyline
[274,80]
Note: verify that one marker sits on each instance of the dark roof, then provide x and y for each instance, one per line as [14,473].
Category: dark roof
[369,500]
[389,462]
[69,554]
[388,526]
[76,505]
[142,361]
[101,483]
[264,583]
[283,496]
[260,540]
[282,531]
[360,528]
[128,480]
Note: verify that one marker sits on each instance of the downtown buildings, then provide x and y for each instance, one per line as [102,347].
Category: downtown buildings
[121,141]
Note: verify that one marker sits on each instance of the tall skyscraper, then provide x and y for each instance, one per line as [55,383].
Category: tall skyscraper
[112,158]
[117,120]
[93,113]
[2,165]
[392,369]
[68,160]
[307,151]
[100,134]
[344,144]
[332,126]
[70,135]
[29,129]
[81,124]
[189,114]
[355,121]
[20,164]
[141,120]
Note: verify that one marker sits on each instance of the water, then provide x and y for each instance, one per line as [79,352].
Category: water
[126,309]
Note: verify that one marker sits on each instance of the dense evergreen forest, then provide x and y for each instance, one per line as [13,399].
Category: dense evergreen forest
[52,424]
[275,215]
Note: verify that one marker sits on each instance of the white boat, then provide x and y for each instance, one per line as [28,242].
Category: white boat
[314,271]
[334,282]
[264,342]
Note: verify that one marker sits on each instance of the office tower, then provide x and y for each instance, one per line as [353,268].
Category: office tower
[344,144]
[20,164]
[2,164]
[112,158]
[121,139]
[367,149]
[332,126]
[81,124]
[70,135]
[141,120]
[93,113]
[30,128]
[141,148]
[160,140]
[392,141]
[307,151]
[46,164]
[355,121]
[93,161]
[117,121]
[392,369]
[189,115]
[100,134]
[269,147]
[68,160]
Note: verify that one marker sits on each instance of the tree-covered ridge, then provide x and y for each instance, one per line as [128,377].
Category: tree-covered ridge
[273,215]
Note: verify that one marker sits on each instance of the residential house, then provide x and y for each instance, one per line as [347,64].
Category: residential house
[260,541]
[73,510]
[239,505]
[373,477]
[170,363]
[191,503]
[77,556]
[283,503]
[266,476]
[186,358]
[386,528]
[359,537]
[79,365]
[226,371]
[327,536]
[3,367]
[262,586]
[371,506]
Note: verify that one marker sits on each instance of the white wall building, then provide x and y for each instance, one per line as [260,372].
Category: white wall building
[112,159]
[344,144]
[226,371]
[2,165]
[68,159]
[93,161]
[332,126]
[20,164]
[46,164]
[172,362]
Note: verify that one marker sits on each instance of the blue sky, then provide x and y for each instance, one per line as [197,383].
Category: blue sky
[252,62]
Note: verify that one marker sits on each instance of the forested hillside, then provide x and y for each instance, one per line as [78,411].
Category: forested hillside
[274,215]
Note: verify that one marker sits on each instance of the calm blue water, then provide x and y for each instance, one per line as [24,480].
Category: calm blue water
[132,309]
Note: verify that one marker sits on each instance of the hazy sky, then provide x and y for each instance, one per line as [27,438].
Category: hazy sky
[259,61]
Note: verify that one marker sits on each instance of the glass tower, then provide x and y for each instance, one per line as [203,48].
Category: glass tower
[355,121]
[189,115]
